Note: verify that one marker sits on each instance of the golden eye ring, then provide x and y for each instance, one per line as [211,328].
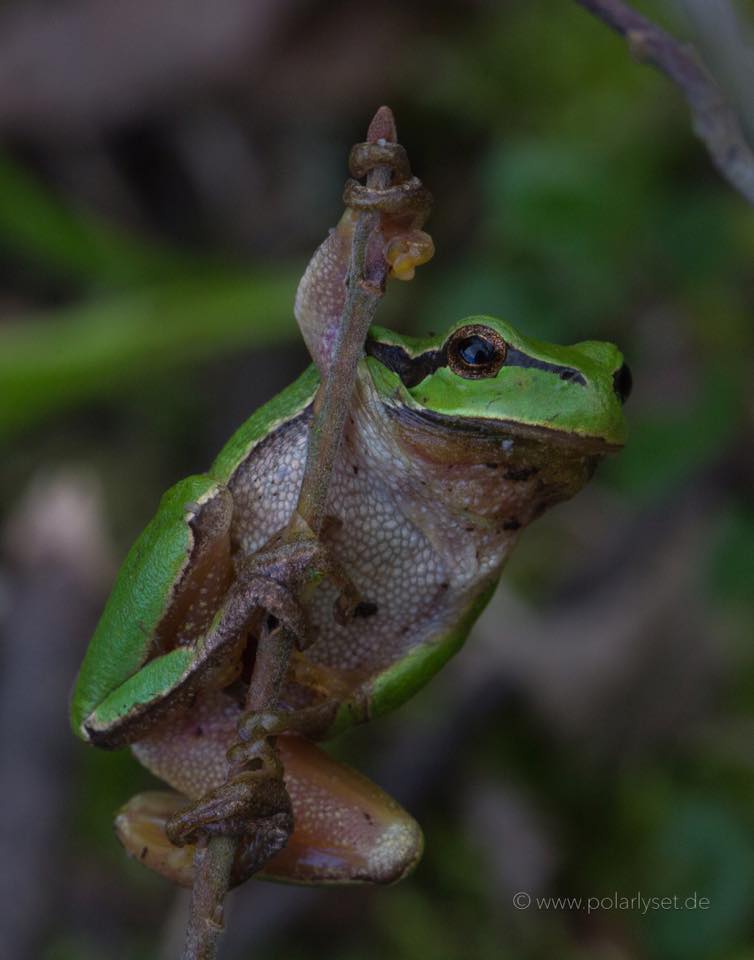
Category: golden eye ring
[476,352]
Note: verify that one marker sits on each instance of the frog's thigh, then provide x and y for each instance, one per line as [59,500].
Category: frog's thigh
[199,594]
[346,829]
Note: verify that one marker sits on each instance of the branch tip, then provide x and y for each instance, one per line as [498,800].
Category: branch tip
[382,127]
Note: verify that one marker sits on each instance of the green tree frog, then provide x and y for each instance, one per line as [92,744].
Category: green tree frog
[453,445]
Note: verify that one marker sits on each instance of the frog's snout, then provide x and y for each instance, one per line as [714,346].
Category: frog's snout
[623,382]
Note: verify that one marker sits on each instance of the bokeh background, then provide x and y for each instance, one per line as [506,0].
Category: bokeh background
[166,170]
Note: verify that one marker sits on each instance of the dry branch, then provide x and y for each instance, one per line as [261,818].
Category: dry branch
[714,120]
[214,859]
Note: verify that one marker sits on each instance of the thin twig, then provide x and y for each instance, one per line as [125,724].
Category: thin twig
[714,120]
[364,295]
[213,861]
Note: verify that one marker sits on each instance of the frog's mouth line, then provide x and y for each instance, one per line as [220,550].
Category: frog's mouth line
[412,370]
[492,429]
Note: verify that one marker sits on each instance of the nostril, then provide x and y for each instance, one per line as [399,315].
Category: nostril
[623,382]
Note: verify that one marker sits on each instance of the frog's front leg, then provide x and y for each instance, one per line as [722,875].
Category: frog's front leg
[403,206]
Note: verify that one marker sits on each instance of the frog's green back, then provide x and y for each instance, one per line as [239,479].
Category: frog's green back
[281,408]
[123,639]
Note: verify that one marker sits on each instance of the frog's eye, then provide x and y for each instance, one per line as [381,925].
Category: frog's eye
[476,351]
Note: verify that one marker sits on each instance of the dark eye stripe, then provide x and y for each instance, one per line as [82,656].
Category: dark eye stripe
[518,359]
[412,370]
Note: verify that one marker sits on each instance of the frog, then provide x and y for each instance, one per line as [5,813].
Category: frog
[454,443]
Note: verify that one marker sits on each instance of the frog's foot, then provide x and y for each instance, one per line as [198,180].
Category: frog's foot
[253,805]
[404,203]
[252,802]
[347,830]
[245,804]
[406,250]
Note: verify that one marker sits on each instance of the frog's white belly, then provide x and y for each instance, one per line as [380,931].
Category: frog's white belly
[410,541]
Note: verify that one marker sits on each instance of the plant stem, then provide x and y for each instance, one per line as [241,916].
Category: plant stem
[213,860]
[332,404]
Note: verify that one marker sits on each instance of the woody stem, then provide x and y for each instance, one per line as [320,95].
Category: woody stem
[213,860]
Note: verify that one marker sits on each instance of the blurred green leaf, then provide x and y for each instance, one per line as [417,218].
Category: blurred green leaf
[701,850]
[731,568]
[50,362]
[35,224]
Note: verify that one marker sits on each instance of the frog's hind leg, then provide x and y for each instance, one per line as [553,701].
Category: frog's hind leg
[346,829]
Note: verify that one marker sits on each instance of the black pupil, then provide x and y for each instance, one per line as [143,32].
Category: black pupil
[476,351]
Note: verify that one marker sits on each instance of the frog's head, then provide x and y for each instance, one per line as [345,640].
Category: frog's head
[485,376]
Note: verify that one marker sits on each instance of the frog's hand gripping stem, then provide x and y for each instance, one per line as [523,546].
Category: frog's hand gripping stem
[398,244]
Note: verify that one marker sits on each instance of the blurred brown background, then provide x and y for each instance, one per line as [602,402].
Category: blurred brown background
[166,170]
